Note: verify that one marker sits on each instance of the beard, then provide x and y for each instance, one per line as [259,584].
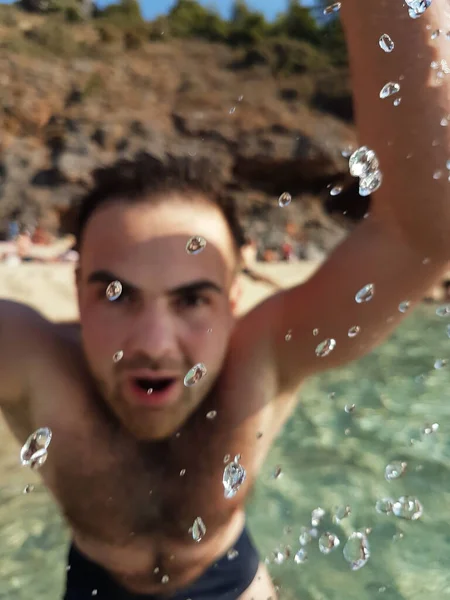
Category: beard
[140,422]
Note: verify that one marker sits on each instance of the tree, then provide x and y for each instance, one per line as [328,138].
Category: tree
[297,23]
[189,19]
[247,27]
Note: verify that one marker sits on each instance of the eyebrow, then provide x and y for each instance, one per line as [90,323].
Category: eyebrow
[199,285]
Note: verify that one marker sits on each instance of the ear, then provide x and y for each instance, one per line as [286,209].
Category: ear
[77,275]
[78,282]
[235,294]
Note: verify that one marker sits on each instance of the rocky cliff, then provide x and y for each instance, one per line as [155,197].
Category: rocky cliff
[69,102]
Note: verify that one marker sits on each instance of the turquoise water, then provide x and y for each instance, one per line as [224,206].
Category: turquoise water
[328,458]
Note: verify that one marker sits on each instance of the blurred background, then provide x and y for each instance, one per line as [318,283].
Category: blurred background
[263,87]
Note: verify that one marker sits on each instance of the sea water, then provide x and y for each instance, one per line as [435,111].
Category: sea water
[326,458]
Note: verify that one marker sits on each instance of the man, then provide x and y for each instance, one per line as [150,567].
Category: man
[138,453]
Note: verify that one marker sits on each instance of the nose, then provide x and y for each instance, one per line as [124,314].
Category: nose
[152,332]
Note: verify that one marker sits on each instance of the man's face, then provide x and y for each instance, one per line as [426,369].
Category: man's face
[175,309]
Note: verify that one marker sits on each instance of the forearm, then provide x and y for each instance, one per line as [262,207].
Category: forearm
[410,141]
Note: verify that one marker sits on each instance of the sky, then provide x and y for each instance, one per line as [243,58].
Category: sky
[153,8]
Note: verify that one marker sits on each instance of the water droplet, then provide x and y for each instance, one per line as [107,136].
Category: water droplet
[429,429]
[370,183]
[340,513]
[316,516]
[332,8]
[403,306]
[118,356]
[182,472]
[198,530]
[279,556]
[114,290]
[353,331]
[288,336]
[195,245]
[365,294]
[301,556]
[212,414]
[349,408]
[94,592]
[194,375]
[397,102]
[34,452]
[407,507]
[304,537]
[277,472]
[362,162]
[226,458]
[436,33]
[389,89]
[156,570]
[232,554]
[417,7]
[394,470]
[325,347]
[356,550]
[234,476]
[386,43]
[336,190]
[315,332]
[443,311]
[165,578]
[328,542]
[285,199]
[384,506]
[232,110]
[28,488]
[440,363]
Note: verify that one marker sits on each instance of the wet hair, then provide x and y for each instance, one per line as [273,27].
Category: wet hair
[149,179]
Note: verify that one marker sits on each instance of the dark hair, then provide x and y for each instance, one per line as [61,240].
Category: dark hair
[147,178]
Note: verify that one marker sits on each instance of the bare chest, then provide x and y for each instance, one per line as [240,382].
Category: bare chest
[113,489]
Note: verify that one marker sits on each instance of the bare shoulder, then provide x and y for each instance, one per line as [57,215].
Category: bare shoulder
[24,335]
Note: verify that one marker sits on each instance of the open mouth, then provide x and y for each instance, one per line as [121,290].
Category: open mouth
[153,385]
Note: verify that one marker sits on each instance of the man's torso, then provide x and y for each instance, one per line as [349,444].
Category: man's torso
[131,505]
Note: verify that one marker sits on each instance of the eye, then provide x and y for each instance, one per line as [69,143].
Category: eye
[192,300]
[125,296]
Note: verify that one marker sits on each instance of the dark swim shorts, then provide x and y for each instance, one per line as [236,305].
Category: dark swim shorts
[226,579]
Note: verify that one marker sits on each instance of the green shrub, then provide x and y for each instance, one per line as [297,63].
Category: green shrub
[132,40]
[189,19]
[54,38]
[297,23]
[287,57]
[247,27]
[73,15]
[125,12]
[108,33]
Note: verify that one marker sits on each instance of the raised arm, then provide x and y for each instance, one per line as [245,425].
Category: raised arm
[21,332]
[404,245]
